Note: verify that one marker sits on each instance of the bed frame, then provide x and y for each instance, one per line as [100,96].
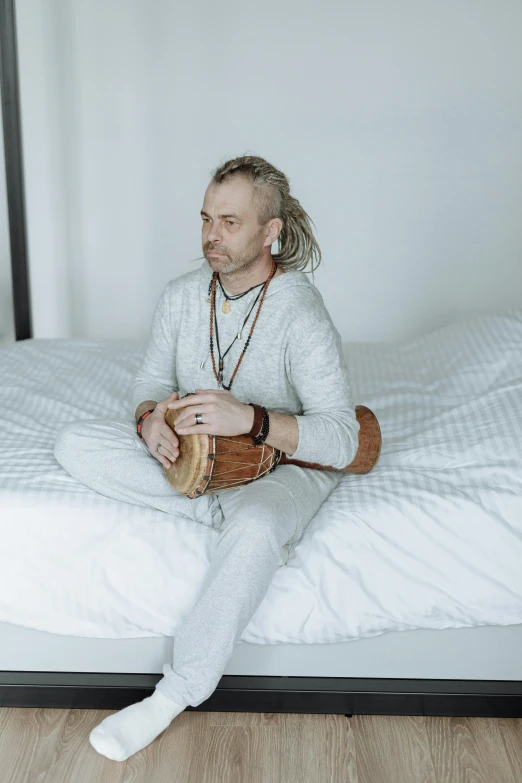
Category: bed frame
[454,671]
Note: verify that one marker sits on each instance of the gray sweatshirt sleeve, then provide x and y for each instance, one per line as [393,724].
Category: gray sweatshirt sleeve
[156,378]
[328,428]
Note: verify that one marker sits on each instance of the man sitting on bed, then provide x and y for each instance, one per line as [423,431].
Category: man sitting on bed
[294,367]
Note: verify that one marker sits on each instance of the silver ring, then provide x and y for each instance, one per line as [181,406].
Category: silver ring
[199,418]
[158,447]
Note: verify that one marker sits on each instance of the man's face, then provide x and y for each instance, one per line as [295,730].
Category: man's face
[230,226]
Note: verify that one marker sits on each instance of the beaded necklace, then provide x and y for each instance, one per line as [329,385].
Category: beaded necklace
[219,377]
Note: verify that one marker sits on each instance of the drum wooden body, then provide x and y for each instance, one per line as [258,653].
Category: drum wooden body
[215,463]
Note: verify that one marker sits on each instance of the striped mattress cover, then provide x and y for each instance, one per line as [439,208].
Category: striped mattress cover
[430,538]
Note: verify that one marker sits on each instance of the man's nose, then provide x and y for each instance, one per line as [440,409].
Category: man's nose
[213,235]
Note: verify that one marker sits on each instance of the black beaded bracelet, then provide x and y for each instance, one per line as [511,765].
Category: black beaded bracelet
[259,439]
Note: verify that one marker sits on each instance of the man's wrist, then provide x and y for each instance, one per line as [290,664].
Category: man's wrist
[147,405]
[250,415]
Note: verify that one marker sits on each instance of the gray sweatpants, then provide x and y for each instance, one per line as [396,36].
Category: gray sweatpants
[259,523]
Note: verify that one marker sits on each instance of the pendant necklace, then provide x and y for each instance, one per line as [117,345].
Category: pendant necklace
[213,322]
[226,304]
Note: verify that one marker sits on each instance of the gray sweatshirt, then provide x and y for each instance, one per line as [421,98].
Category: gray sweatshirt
[294,363]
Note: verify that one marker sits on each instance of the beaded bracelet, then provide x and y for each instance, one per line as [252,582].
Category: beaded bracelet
[140,422]
[259,439]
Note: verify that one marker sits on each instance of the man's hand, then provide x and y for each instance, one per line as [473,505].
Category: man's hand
[223,414]
[156,430]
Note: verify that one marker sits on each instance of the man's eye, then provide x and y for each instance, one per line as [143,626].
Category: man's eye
[230,222]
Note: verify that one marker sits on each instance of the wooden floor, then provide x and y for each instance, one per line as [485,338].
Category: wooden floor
[52,746]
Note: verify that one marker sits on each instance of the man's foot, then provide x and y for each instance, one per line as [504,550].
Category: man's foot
[133,728]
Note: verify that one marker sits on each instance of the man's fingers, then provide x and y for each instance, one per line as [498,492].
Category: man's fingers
[168,440]
[168,449]
[165,452]
[173,440]
[165,460]
[162,404]
[171,436]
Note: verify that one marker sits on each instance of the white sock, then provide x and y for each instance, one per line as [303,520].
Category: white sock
[126,732]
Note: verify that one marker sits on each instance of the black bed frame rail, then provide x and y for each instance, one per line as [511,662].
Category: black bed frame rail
[13,156]
[345,696]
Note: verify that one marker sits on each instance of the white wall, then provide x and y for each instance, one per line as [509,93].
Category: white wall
[398,124]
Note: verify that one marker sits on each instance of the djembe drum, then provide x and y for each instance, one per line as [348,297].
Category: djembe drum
[215,463]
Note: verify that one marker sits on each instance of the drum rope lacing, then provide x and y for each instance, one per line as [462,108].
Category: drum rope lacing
[268,457]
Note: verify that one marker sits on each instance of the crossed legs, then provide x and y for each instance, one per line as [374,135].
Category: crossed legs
[254,521]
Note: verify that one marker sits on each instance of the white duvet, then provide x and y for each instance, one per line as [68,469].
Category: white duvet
[430,538]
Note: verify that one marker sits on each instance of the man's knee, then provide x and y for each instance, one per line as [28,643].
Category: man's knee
[66,438]
[67,441]
[84,439]
[259,524]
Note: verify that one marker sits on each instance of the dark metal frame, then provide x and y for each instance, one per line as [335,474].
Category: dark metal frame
[14,174]
[91,690]
[346,696]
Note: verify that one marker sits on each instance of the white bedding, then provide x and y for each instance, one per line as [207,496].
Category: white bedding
[431,538]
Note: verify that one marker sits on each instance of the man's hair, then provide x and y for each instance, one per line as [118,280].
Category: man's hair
[271,198]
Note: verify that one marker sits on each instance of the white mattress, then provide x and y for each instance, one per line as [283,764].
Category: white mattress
[430,538]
